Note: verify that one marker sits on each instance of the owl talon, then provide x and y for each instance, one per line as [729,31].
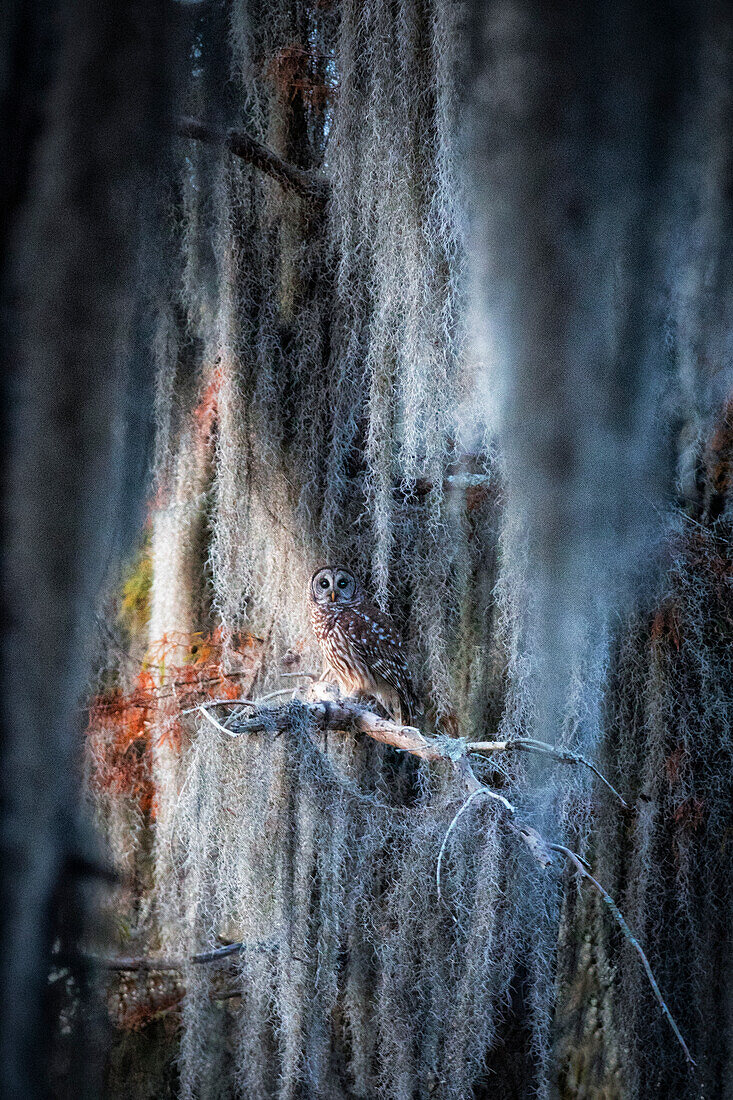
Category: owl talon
[324,691]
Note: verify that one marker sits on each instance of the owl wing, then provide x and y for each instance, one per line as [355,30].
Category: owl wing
[376,642]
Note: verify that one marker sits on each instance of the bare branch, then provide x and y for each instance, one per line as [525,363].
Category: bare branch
[215,722]
[449,830]
[346,715]
[582,868]
[276,694]
[528,744]
[149,962]
[343,714]
[220,703]
[310,185]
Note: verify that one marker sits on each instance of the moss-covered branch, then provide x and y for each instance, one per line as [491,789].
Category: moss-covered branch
[311,185]
[346,715]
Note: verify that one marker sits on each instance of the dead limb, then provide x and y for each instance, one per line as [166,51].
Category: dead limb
[347,715]
[529,744]
[584,871]
[343,714]
[311,185]
[150,962]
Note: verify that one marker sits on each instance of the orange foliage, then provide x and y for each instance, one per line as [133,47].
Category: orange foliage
[665,626]
[206,412]
[718,463]
[123,728]
[135,1012]
[297,70]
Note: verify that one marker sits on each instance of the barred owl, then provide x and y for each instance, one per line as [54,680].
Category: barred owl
[360,645]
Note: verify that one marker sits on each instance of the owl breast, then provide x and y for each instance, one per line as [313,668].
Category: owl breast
[334,630]
[364,652]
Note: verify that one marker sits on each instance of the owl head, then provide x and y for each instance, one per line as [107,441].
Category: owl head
[334,584]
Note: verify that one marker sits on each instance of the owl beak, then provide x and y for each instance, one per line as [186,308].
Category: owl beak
[333,594]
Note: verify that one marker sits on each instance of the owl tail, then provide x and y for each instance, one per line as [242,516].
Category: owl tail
[401,713]
[407,709]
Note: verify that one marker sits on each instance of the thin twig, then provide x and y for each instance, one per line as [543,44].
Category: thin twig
[449,830]
[529,744]
[148,962]
[618,916]
[214,722]
[276,694]
[220,703]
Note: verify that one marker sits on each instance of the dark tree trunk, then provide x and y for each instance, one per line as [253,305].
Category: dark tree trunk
[83,98]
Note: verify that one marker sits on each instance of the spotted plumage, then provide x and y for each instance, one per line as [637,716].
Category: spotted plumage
[360,644]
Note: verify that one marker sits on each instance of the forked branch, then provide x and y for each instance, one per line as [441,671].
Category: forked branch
[529,744]
[345,715]
[310,185]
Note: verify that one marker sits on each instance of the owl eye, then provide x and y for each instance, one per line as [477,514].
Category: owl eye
[343,582]
[324,582]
